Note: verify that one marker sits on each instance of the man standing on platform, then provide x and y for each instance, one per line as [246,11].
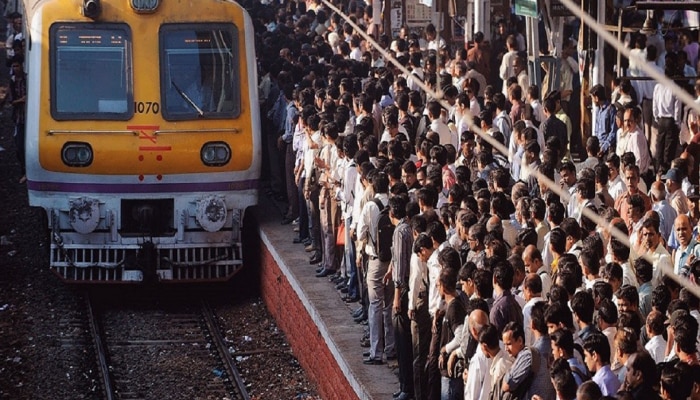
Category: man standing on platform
[605,129]
[668,111]
[399,273]
[380,328]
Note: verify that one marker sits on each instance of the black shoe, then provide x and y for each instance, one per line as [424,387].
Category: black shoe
[351,299]
[287,221]
[344,290]
[307,242]
[404,396]
[325,273]
[319,269]
[357,312]
[365,354]
[372,361]
[340,281]
[396,394]
[315,260]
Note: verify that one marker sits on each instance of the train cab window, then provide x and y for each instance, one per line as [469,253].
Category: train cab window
[199,71]
[91,72]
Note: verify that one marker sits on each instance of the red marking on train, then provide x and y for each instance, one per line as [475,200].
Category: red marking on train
[155,148]
[141,177]
[144,135]
[140,158]
[159,157]
[144,131]
[159,177]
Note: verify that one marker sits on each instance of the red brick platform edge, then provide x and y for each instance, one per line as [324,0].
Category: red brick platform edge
[307,334]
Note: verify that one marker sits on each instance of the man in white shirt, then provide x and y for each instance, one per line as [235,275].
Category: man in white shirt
[476,376]
[656,346]
[636,141]
[435,42]
[502,122]
[506,70]
[417,72]
[437,125]
[616,185]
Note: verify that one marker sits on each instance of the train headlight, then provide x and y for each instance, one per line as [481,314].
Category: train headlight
[215,154]
[77,154]
[144,6]
[84,214]
[211,213]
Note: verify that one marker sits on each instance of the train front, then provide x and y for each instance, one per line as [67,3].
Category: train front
[142,135]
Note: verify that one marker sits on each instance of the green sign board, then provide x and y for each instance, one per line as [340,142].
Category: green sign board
[526,8]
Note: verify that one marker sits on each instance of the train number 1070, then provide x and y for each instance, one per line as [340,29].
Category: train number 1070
[146,107]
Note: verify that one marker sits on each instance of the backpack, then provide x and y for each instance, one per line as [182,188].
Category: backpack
[385,233]
[409,123]
[581,374]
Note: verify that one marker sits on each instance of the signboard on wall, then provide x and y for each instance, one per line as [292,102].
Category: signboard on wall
[418,14]
[526,8]
[396,17]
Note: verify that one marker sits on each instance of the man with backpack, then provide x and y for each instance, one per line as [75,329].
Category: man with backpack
[562,341]
[529,374]
[375,231]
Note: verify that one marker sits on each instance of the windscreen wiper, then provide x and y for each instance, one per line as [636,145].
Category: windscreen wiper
[187,99]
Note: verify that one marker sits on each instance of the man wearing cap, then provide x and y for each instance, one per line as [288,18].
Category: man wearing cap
[677,199]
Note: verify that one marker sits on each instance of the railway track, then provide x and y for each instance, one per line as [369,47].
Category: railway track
[171,351]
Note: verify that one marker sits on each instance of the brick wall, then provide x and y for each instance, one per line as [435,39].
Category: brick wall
[304,337]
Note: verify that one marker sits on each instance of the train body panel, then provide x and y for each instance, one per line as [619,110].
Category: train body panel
[142,137]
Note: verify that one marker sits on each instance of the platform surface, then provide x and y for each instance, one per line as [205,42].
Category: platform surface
[325,306]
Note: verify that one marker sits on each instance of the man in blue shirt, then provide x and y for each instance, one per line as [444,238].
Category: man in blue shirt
[605,129]
[596,350]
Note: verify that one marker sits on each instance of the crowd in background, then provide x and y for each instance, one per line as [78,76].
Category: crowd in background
[478,278]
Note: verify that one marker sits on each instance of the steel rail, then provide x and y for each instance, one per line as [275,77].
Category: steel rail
[100,348]
[218,340]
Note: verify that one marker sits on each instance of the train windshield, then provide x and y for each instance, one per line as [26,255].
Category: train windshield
[199,71]
[91,72]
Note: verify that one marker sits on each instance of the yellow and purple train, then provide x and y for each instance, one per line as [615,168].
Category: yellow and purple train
[142,136]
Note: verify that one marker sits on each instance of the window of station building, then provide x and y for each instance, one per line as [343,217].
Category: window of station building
[199,71]
[91,74]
